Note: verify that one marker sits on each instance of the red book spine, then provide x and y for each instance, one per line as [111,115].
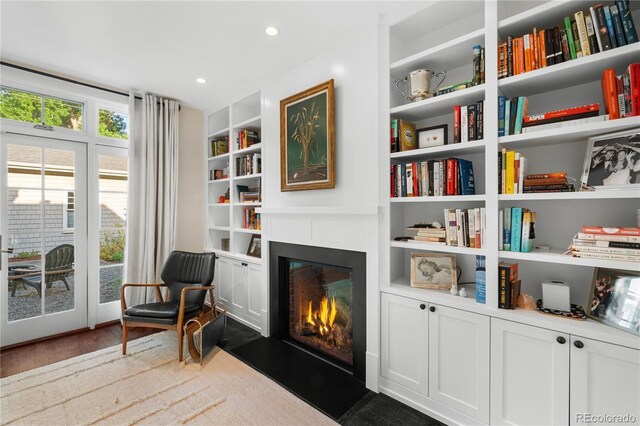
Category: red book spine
[414,167]
[557,175]
[456,177]
[634,83]
[601,230]
[450,177]
[393,181]
[610,93]
[567,112]
[456,124]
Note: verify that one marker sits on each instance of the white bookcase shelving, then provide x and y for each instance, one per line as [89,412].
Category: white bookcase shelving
[440,38]
[238,276]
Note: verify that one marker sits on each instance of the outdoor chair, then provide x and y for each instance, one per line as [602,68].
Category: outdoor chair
[187,277]
[58,265]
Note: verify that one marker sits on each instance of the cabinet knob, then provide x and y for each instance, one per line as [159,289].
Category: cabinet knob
[245,264]
[561,340]
[578,344]
[432,308]
[423,306]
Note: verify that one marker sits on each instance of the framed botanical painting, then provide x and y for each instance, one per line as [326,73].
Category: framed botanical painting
[613,161]
[431,270]
[307,142]
[615,299]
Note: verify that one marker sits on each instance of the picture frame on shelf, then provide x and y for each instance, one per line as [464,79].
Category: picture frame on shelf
[307,139]
[614,299]
[613,161]
[255,246]
[433,271]
[429,137]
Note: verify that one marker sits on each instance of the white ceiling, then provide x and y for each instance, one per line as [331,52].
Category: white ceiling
[161,47]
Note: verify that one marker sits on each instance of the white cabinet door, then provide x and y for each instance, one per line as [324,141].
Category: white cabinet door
[605,380]
[240,293]
[405,327]
[255,293]
[459,360]
[223,280]
[529,375]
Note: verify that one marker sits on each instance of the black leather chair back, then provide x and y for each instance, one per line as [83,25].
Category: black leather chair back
[184,269]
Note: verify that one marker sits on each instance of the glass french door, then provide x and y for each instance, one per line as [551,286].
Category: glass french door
[43,218]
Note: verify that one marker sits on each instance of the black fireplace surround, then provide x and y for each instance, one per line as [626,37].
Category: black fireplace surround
[280,256]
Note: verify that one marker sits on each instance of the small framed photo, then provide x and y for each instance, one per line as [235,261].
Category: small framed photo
[431,270]
[615,299]
[432,136]
[255,246]
[613,161]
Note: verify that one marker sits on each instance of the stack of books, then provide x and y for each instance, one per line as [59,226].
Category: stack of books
[509,288]
[430,235]
[621,93]
[585,33]
[453,176]
[517,227]
[245,138]
[563,118]
[596,242]
[218,146]
[248,165]
[511,115]
[547,182]
[251,219]
[248,195]
[468,122]
[465,227]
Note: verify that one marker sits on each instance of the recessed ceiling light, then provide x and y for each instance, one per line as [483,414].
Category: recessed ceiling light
[271,31]
[201,80]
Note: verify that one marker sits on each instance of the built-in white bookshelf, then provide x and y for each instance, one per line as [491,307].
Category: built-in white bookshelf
[225,220]
[443,44]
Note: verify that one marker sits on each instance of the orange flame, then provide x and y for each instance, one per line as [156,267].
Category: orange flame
[326,315]
[310,314]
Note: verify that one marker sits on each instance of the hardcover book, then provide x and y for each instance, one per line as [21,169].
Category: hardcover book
[466,177]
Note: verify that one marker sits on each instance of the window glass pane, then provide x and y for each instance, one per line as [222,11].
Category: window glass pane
[61,113]
[21,106]
[113,124]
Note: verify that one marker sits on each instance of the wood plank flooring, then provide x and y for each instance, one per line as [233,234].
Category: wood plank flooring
[33,355]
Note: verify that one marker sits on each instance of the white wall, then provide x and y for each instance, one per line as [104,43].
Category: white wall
[353,64]
[190,232]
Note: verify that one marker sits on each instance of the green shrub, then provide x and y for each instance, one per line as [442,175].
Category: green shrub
[112,247]
[33,254]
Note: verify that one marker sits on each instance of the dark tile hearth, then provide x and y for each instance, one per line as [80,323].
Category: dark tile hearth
[330,390]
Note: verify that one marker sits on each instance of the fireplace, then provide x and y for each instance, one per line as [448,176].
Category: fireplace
[317,302]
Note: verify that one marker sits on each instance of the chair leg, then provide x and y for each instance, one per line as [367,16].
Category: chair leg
[13,288]
[124,338]
[66,284]
[179,344]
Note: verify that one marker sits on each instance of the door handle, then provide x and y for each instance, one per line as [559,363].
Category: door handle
[8,250]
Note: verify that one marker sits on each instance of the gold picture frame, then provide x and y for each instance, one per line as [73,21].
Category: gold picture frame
[307,139]
[434,271]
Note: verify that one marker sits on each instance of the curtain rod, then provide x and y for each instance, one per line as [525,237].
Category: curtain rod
[69,80]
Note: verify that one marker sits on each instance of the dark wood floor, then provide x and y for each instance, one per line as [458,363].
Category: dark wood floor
[33,355]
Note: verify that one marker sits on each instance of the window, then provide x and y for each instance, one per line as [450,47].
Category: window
[112,124]
[41,110]
[68,211]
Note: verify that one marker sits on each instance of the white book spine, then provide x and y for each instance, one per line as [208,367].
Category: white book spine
[599,237]
[464,126]
[595,24]
[472,227]
[522,173]
[483,225]
[459,236]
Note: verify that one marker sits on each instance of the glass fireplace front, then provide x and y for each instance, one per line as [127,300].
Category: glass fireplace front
[320,308]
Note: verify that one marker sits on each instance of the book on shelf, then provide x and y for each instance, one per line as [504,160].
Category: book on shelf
[605,237]
[517,229]
[577,241]
[507,277]
[452,176]
[565,124]
[465,227]
[246,137]
[249,164]
[403,135]
[607,243]
[468,122]
[581,34]
[481,279]
[511,117]
[602,230]
[218,146]
[251,219]
[560,115]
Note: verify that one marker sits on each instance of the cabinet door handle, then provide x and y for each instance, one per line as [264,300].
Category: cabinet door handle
[432,308]
[578,344]
[245,264]
[561,340]
[423,306]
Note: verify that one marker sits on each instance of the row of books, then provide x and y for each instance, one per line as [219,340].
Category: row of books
[516,226]
[511,115]
[453,176]
[621,93]
[509,285]
[465,227]
[251,219]
[468,122]
[511,172]
[245,138]
[249,195]
[403,135]
[248,165]
[596,242]
[218,146]
[585,33]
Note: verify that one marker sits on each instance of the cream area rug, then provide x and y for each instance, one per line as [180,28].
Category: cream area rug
[148,386]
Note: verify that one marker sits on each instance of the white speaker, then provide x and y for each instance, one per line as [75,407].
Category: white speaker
[556,296]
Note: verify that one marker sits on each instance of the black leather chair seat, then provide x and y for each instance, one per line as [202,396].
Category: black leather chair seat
[162,310]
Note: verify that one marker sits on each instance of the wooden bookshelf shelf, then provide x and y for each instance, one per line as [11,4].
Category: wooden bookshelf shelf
[253,148]
[610,194]
[219,204]
[220,228]
[248,231]
[557,256]
[416,245]
[246,177]
[225,180]
[219,132]
[569,134]
[219,157]
[443,199]
[473,147]
[438,105]
[448,55]
[251,122]
[236,256]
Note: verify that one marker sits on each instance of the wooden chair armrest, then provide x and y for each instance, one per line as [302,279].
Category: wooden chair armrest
[123,302]
[182,299]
